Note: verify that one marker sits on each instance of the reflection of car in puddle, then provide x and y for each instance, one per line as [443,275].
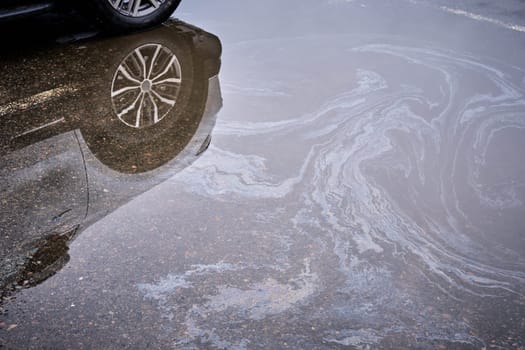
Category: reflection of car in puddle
[85,127]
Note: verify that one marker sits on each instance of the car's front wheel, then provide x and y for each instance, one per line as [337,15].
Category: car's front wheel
[123,15]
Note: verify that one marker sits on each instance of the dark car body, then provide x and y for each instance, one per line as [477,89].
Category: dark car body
[69,156]
[116,15]
[11,9]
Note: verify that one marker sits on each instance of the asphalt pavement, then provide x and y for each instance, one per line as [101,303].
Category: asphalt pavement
[336,174]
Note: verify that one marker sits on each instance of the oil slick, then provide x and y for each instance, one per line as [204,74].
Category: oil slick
[252,301]
[409,183]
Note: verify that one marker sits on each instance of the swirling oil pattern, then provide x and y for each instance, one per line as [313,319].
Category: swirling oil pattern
[396,198]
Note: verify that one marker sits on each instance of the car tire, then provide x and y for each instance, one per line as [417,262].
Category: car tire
[131,150]
[117,16]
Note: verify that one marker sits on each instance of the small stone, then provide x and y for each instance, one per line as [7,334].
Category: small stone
[11,327]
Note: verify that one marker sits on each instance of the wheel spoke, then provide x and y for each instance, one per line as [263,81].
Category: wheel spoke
[155,3]
[130,107]
[127,75]
[139,110]
[121,91]
[117,4]
[166,69]
[155,109]
[133,7]
[136,8]
[153,60]
[163,99]
[168,80]
[142,61]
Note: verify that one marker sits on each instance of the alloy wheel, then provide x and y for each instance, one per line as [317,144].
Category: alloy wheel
[136,8]
[146,85]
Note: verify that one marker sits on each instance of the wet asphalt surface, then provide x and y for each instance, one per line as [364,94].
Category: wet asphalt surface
[364,185]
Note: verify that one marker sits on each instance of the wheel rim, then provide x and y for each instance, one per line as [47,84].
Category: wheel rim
[146,85]
[136,8]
